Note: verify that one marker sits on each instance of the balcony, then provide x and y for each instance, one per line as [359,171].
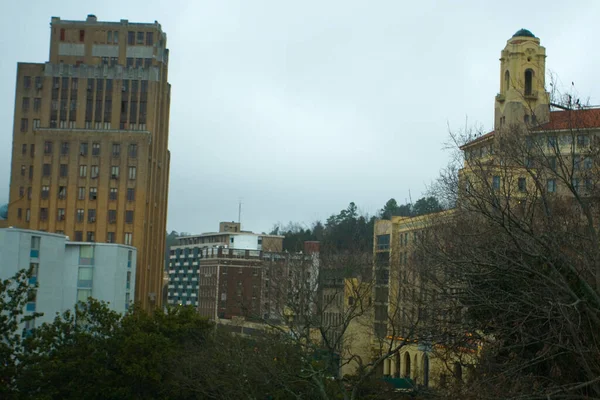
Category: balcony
[533,95]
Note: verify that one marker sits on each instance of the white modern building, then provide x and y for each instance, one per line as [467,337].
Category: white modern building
[67,272]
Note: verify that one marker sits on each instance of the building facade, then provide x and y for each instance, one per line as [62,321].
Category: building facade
[234,273]
[68,272]
[90,141]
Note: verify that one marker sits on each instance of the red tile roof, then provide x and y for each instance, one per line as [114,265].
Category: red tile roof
[573,119]
[559,120]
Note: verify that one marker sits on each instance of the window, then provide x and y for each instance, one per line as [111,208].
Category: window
[81,35]
[551,142]
[60,215]
[83,294]
[575,183]
[114,172]
[29,193]
[37,104]
[112,194]
[138,62]
[84,277]
[140,38]
[31,172]
[27,82]
[47,147]
[62,192]
[587,163]
[129,62]
[62,34]
[83,149]
[589,184]
[496,183]
[64,148]
[43,214]
[36,124]
[528,81]
[133,150]
[80,215]
[114,61]
[109,37]
[552,163]
[83,171]
[128,238]
[129,217]
[149,38]
[130,38]
[128,280]
[147,62]
[551,185]
[27,215]
[130,194]
[23,169]
[110,237]
[116,149]
[95,149]
[93,193]
[132,173]
[78,236]
[383,242]
[24,123]
[24,149]
[583,140]
[64,170]
[45,192]
[21,192]
[25,105]
[116,37]
[81,193]
[522,185]
[112,216]
[92,215]
[94,171]
[46,170]
[32,150]
[19,213]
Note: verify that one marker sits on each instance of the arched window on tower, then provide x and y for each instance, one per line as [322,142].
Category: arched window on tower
[506,80]
[528,81]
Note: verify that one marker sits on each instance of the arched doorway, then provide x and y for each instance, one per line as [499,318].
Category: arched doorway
[415,374]
[425,370]
[407,365]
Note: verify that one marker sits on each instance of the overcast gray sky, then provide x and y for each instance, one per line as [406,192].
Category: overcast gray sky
[299,107]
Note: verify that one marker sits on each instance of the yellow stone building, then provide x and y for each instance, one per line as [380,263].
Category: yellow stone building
[90,154]
[536,148]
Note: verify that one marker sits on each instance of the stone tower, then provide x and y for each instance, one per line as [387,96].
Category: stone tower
[522,97]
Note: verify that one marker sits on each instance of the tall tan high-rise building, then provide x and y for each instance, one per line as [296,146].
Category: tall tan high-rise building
[90,154]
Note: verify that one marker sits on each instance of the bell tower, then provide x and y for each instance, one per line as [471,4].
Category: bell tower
[522,98]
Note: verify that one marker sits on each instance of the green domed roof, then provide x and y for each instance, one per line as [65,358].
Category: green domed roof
[524,32]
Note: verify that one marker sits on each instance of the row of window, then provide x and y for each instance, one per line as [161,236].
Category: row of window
[83,171]
[551,184]
[27,82]
[112,37]
[37,104]
[110,237]
[91,215]
[62,193]
[24,126]
[132,150]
